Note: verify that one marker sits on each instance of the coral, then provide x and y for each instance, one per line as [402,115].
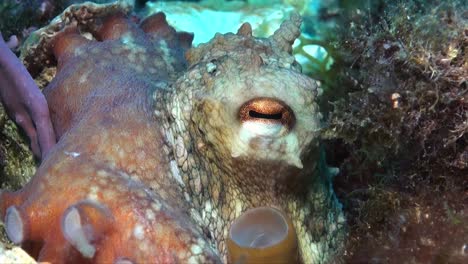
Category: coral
[15,255]
[399,130]
[159,153]
[20,18]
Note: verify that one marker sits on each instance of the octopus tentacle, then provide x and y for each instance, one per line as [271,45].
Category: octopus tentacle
[57,251]
[89,200]
[24,102]
[285,36]
[24,120]
[9,200]
[24,224]
[32,222]
[86,224]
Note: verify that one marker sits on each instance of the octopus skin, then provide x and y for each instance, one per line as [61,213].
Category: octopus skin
[162,146]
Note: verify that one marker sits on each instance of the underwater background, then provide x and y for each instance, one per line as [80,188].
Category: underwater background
[395,104]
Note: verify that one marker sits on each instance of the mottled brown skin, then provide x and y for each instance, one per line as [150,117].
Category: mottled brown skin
[231,175]
[155,159]
[109,152]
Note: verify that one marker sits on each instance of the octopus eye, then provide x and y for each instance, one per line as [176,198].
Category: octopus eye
[268,111]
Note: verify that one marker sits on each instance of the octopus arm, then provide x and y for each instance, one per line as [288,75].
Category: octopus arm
[101,195]
[24,102]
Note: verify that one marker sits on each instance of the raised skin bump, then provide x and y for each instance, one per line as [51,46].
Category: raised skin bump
[15,225]
[75,234]
[156,25]
[123,261]
[114,27]
[84,224]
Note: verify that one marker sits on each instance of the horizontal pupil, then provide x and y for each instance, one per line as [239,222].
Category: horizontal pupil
[265,116]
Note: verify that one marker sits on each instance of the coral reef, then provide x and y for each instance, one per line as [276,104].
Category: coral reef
[158,155]
[399,129]
[20,18]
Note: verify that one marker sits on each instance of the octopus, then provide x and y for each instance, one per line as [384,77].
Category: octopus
[164,151]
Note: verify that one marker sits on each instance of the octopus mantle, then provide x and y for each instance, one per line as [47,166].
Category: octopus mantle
[159,152]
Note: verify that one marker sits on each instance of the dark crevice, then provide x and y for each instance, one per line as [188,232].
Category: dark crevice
[255,114]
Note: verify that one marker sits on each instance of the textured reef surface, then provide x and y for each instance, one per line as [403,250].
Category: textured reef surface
[158,153]
[398,130]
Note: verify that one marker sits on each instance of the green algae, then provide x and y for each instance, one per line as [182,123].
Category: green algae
[398,128]
[17,164]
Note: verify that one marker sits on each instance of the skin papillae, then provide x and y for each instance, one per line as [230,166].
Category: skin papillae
[158,153]
[24,102]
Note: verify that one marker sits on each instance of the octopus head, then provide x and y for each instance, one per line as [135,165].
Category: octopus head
[250,101]
[250,122]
